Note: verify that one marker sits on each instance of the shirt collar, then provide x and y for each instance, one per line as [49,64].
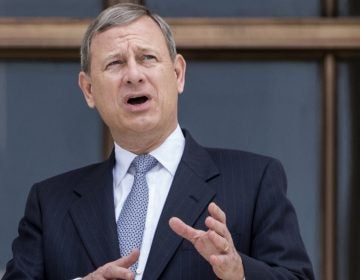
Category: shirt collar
[168,154]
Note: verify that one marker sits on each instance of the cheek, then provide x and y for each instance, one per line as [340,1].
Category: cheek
[106,90]
[170,102]
[165,86]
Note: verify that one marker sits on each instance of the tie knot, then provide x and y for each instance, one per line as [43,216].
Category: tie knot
[144,163]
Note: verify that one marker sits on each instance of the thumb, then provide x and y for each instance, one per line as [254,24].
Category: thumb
[182,229]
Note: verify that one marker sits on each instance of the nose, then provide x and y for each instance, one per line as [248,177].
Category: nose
[134,74]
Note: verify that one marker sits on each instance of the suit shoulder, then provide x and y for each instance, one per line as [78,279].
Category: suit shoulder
[72,177]
[232,155]
[246,163]
[252,168]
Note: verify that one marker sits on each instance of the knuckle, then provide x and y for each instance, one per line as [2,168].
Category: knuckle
[97,272]
[109,270]
[224,217]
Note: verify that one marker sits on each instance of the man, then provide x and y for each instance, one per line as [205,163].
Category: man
[209,213]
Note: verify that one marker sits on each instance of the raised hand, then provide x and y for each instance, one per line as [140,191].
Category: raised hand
[215,244]
[118,269]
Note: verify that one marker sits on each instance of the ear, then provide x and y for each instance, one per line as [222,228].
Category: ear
[180,69]
[85,85]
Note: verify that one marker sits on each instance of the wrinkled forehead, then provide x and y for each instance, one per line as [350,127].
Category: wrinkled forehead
[143,32]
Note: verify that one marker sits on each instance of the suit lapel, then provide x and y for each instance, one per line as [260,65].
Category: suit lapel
[188,198]
[94,217]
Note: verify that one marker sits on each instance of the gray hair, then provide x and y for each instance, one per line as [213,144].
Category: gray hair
[118,15]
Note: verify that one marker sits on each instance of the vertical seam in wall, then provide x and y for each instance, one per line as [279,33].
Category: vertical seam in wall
[329,170]
[329,158]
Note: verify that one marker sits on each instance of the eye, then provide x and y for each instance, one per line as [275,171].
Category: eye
[115,62]
[149,57]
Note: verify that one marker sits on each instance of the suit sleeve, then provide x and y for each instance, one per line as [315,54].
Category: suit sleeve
[277,251]
[27,261]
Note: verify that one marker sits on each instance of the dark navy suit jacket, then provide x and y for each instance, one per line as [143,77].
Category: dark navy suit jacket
[69,227]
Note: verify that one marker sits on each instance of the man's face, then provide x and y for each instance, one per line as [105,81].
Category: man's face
[133,82]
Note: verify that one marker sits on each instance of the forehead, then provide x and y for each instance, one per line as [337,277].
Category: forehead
[143,31]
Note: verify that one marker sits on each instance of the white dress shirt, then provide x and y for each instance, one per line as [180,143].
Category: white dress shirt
[159,180]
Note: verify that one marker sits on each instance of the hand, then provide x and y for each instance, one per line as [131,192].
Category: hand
[118,269]
[215,244]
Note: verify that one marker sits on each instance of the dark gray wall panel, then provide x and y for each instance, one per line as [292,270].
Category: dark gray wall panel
[48,8]
[45,128]
[348,166]
[344,178]
[270,108]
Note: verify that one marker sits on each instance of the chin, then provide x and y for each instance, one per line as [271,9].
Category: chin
[143,127]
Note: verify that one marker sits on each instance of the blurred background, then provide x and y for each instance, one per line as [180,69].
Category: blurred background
[276,77]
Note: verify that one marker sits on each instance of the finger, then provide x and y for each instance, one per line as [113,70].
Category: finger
[184,230]
[220,243]
[217,226]
[217,221]
[216,212]
[128,260]
[113,271]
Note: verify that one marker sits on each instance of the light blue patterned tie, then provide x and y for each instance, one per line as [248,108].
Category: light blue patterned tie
[131,222]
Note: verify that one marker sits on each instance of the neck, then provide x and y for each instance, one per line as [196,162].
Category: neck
[142,142]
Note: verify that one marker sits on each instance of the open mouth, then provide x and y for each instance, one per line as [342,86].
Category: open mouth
[137,100]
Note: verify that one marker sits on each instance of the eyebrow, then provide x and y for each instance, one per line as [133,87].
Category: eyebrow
[118,53]
[146,49]
[111,56]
